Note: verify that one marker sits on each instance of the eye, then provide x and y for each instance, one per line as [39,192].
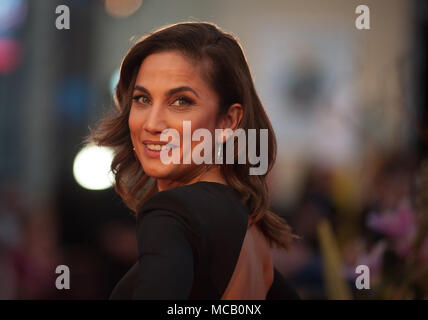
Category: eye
[183,101]
[141,99]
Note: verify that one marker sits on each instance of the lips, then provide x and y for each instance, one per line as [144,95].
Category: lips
[153,148]
[157,147]
[146,142]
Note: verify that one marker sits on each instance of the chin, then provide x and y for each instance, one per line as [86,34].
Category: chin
[158,171]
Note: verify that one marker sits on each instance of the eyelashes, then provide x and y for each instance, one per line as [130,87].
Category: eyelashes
[136,98]
[186,101]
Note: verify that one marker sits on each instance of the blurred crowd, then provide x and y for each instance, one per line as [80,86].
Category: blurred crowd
[379,218]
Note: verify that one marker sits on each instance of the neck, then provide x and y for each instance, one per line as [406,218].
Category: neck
[212,175]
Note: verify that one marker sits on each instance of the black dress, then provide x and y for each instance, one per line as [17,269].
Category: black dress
[189,240]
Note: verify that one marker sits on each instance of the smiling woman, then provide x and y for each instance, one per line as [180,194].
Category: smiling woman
[204,230]
[166,94]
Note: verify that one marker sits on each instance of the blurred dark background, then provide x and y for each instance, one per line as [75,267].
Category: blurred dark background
[349,108]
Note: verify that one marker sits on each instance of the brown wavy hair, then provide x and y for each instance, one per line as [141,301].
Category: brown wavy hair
[225,68]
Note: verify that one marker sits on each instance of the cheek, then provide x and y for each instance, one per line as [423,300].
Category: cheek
[207,123]
[135,121]
[206,120]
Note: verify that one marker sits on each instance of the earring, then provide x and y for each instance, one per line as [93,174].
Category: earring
[135,154]
[219,157]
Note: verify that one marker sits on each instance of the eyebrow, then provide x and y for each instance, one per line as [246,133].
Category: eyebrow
[170,92]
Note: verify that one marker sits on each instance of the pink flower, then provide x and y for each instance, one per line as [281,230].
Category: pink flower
[394,224]
[399,226]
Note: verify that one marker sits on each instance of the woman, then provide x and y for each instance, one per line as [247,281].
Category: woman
[204,230]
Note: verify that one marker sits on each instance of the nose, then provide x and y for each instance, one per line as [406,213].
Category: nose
[155,122]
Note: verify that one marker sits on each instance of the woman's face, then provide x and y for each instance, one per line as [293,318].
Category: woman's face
[168,90]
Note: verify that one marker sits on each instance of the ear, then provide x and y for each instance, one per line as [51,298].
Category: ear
[232,118]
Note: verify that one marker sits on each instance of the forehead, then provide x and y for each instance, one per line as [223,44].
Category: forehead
[169,67]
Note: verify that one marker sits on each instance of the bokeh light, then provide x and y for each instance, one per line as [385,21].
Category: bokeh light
[122,8]
[12,13]
[10,55]
[91,167]
[74,95]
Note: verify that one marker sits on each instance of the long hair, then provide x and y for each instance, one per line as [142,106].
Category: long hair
[224,67]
